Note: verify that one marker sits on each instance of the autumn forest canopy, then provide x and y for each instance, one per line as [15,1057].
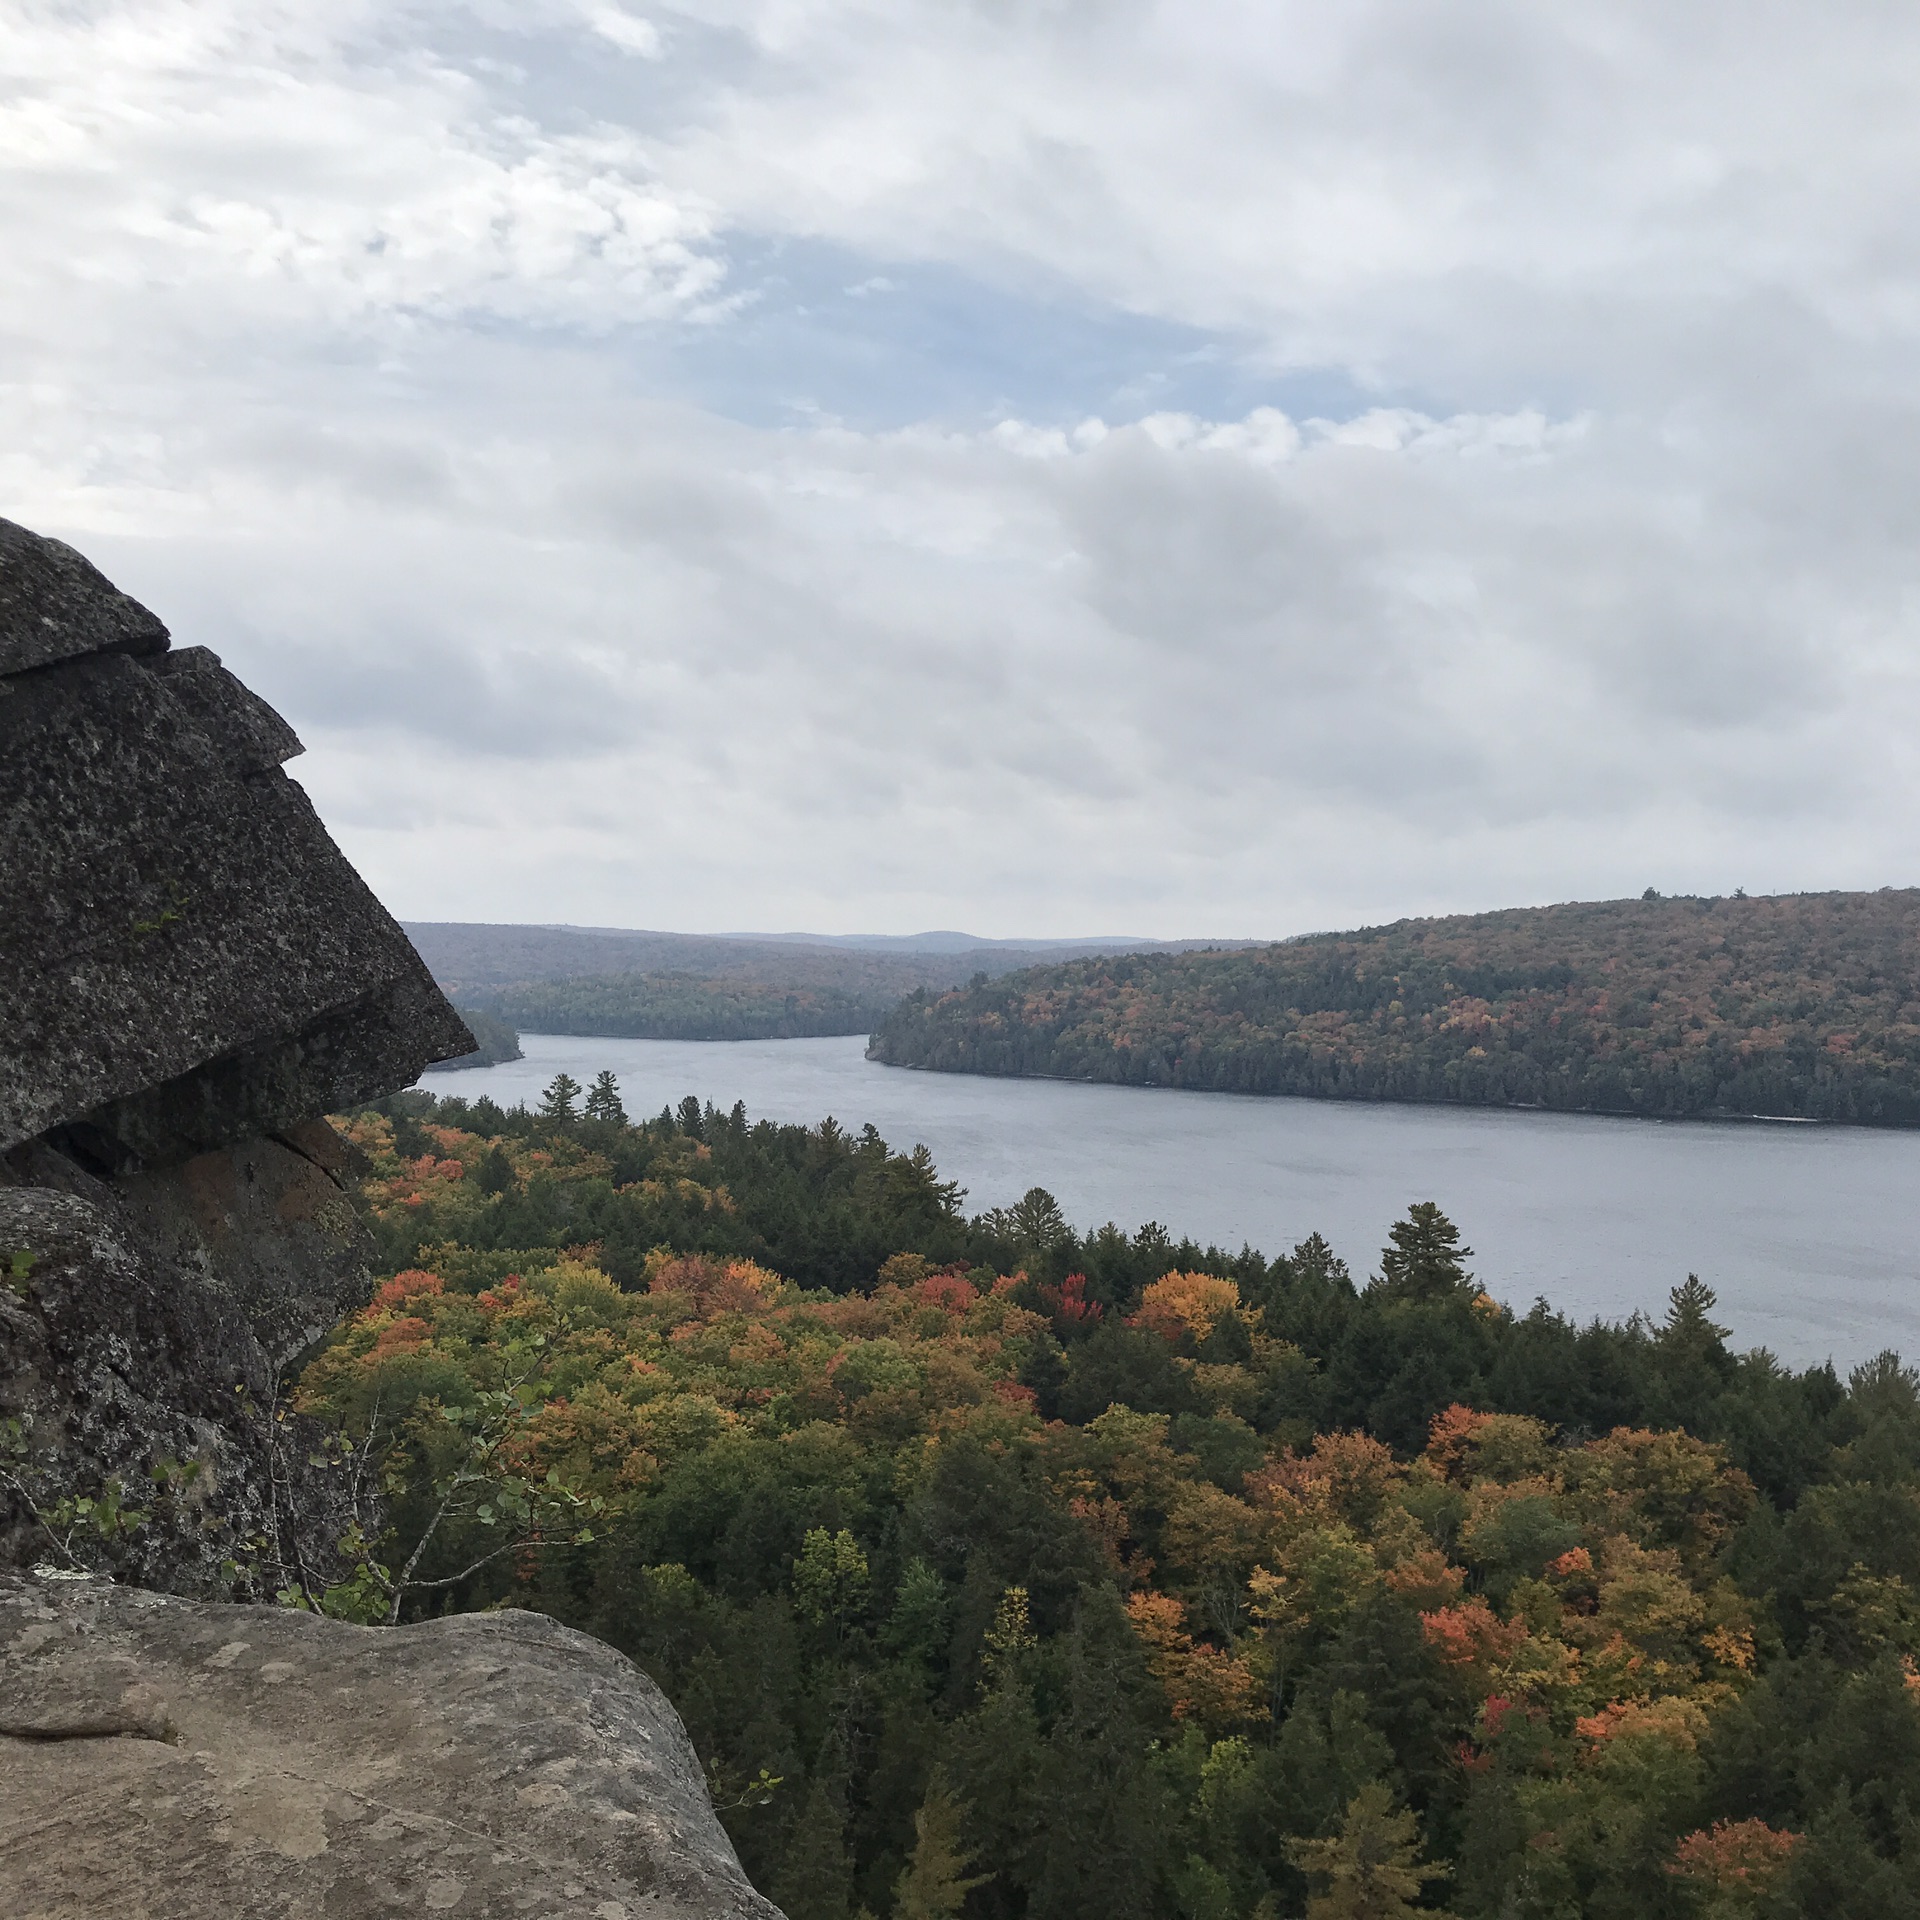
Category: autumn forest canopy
[1009,1570]
[1801,1006]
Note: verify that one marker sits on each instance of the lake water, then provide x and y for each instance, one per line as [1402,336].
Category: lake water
[1810,1235]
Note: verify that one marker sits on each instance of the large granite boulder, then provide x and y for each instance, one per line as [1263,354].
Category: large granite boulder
[191,975]
[171,1760]
[56,605]
[186,958]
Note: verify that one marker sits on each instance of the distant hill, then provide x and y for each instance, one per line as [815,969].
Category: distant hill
[497,1042]
[1803,1006]
[678,986]
[684,1006]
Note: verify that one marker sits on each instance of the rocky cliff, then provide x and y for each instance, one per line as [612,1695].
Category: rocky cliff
[191,975]
[191,978]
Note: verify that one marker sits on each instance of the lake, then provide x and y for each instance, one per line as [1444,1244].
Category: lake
[1810,1235]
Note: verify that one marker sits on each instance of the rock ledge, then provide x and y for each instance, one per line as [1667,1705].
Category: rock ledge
[166,1759]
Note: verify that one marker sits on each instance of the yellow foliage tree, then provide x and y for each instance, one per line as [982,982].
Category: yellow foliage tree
[1372,1868]
[936,1883]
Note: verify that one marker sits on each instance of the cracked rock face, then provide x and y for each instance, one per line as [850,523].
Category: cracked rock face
[186,958]
[191,974]
[174,1760]
[141,1349]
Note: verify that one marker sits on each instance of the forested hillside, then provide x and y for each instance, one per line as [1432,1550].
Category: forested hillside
[495,1038]
[686,1006]
[1803,1006]
[675,986]
[475,961]
[1013,1573]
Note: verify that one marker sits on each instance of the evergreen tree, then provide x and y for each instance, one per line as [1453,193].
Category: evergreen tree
[1101,1788]
[1426,1260]
[556,1103]
[1032,1228]
[494,1174]
[815,1881]
[603,1100]
[1315,1262]
[1692,1360]
[1690,1330]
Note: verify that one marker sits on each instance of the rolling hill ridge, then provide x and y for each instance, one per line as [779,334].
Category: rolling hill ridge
[1801,1006]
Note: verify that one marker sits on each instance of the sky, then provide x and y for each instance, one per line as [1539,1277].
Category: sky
[1047,467]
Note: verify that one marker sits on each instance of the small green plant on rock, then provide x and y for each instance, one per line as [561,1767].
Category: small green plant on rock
[70,1521]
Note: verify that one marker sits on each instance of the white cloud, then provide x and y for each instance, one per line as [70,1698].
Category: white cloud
[337,333]
[276,167]
[627,31]
[1345,178]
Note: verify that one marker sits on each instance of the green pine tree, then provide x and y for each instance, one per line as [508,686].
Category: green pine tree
[494,1174]
[603,1101]
[1690,1328]
[556,1103]
[1426,1260]
[815,1881]
[1691,1360]
[1100,1784]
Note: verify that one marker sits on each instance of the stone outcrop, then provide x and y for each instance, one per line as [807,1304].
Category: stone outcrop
[145,1321]
[166,1759]
[186,958]
[191,975]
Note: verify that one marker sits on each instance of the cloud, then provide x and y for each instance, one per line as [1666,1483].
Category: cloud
[627,31]
[277,169]
[1499,482]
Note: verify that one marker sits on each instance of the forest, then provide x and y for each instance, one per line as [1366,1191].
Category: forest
[495,1041]
[1009,1571]
[1803,1006]
[686,1006]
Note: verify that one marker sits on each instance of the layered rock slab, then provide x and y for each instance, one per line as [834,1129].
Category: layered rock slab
[165,1759]
[55,604]
[191,973]
[186,958]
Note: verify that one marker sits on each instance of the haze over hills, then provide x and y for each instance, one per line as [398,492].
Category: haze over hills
[652,985]
[946,941]
[473,951]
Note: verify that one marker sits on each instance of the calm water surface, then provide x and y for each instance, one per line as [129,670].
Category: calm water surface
[1810,1235]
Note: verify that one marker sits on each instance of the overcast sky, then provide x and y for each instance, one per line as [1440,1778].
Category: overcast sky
[1039,466]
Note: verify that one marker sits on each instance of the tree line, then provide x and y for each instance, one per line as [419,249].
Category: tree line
[1803,1006]
[1007,1570]
[687,1006]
